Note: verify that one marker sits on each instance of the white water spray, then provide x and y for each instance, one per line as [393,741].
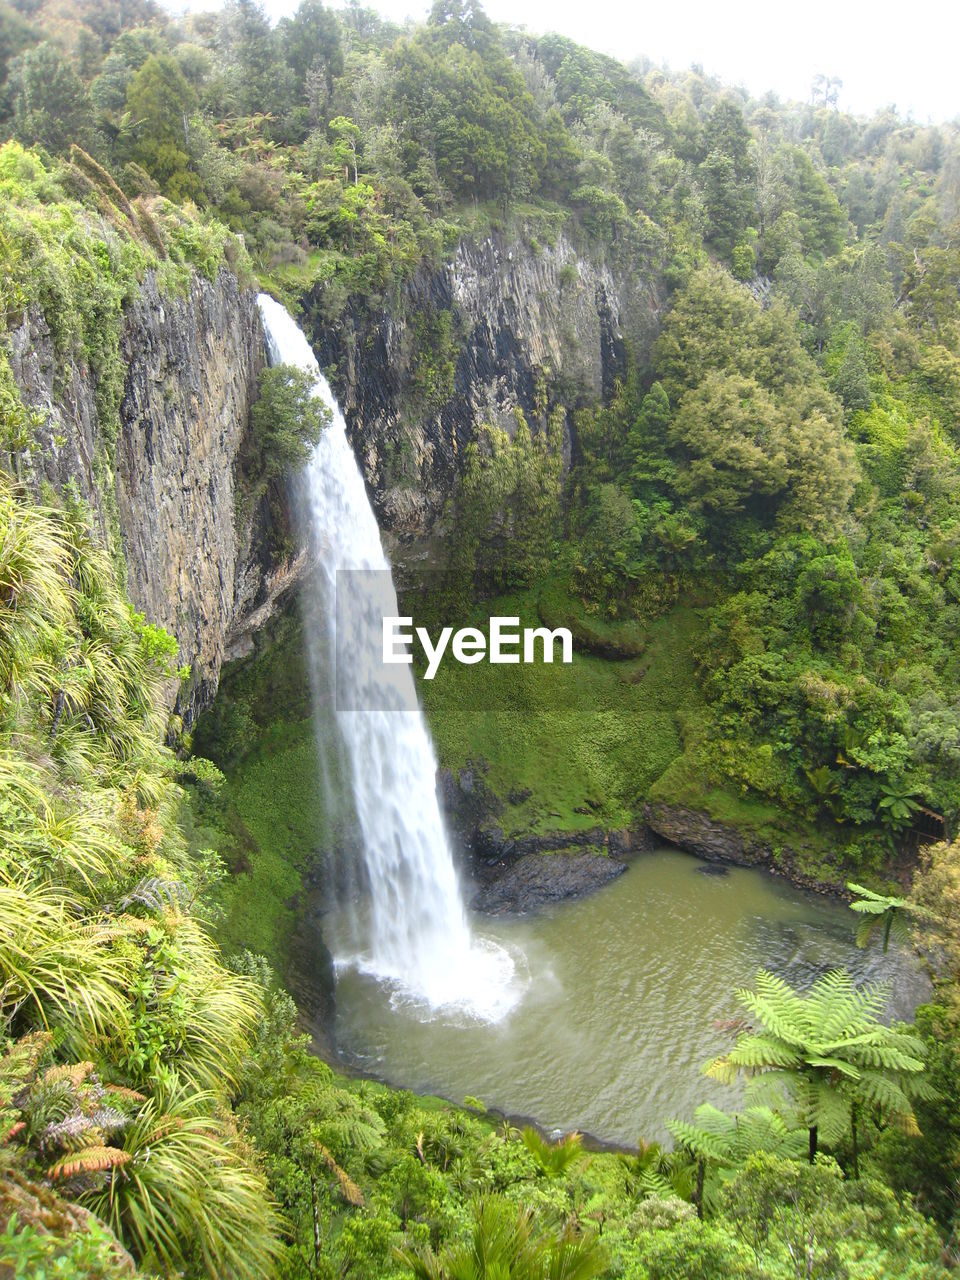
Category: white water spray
[420,940]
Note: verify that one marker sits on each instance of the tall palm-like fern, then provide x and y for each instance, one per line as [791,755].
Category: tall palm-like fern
[554,1158]
[504,1245]
[187,1183]
[658,1174]
[884,914]
[722,1143]
[825,1054]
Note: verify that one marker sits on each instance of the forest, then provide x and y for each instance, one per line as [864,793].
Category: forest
[774,481]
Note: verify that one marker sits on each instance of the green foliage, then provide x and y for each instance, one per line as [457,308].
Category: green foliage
[507,510]
[723,1143]
[883,913]
[757,431]
[287,420]
[786,459]
[569,738]
[553,1158]
[808,1221]
[826,1055]
[90,1253]
[503,1244]
[51,108]
[98,945]
[159,102]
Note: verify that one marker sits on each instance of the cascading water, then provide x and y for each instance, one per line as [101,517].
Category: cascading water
[419,939]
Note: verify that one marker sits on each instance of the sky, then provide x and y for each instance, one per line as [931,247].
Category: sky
[903,53]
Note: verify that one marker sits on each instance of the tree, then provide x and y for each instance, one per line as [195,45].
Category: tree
[16,35]
[287,420]
[257,78]
[888,914]
[726,173]
[825,1054]
[806,1222]
[51,107]
[311,43]
[346,137]
[734,442]
[754,427]
[159,105]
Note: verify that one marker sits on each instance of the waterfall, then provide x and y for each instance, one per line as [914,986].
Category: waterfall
[418,938]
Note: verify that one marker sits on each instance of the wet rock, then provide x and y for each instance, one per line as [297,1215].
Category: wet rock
[517,315]
[716,842]
[310,975]
[192,366]
[700,834]
[535,879]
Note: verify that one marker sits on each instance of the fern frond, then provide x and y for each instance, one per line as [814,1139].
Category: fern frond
[89,1160]
[348,1188]
[74,1072]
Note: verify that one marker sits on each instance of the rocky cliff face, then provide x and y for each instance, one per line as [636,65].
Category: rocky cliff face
[168,484]
[468,344]
[500,326]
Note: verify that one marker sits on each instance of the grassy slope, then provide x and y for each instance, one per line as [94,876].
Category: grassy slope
[594,735]
[269,819]
[589,742]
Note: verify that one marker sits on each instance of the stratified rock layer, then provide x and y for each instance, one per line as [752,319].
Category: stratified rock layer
[196,564]
[526,317]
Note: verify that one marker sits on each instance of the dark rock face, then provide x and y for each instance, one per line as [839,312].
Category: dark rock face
[521,873]
[698,833]
[534,879]
[192,366]
[720,845]
[192,563]
[519,314]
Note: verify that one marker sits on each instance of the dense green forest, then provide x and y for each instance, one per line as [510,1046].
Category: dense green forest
[761,517]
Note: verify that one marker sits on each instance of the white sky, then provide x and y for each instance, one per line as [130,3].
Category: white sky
[903,53]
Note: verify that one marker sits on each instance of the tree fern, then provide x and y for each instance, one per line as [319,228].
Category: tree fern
[888,916]
[723,1143]
[824,1053]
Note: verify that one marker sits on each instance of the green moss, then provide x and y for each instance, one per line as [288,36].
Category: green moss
[559,607]
[587,741]
[274,819]
[698,779]
[270,821]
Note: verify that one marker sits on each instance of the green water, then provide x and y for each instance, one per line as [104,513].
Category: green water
[623,990]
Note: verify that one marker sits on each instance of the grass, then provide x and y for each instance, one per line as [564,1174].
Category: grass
[587,741]
[558,607]
[267,822]
[693,780]
[270,819]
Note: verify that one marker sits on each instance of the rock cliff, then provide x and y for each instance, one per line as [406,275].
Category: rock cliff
[168,484]
[502,323]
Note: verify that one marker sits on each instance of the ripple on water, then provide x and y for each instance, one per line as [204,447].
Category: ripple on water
[599,1014]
